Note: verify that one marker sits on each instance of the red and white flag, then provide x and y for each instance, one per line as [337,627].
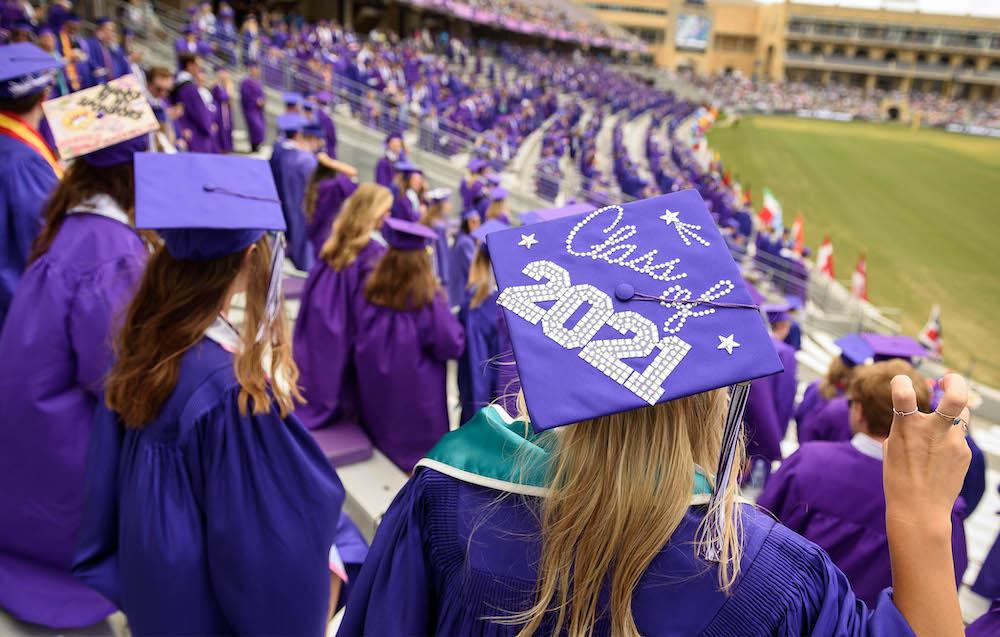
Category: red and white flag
[799,234]
[930,336]
[824,257]
[859,280]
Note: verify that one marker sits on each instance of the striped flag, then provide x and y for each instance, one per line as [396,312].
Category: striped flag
[799,234]
[772,210]
[859,280]
[824,257]
[930,337]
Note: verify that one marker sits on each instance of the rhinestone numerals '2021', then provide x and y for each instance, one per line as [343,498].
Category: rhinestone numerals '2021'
[605,355]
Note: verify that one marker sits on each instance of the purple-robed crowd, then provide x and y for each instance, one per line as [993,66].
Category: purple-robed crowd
[374,376]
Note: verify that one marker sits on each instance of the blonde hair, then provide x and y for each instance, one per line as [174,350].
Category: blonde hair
[619,486]
[496,209]
[480,278]
[838,376]
[361,213]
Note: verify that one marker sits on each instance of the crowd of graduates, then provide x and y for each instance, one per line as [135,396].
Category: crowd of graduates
[179,464]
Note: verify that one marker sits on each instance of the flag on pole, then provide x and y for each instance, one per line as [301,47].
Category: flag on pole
[799,234]
[930,336]
[859,280]
[824,257]
[772,208]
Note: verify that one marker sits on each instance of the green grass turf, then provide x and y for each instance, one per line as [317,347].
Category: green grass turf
[924,205]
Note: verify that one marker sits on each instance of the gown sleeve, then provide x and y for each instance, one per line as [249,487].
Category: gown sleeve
[446,337]
[272,506]
[27,186]
[95,558]
[100,301]
[393,594]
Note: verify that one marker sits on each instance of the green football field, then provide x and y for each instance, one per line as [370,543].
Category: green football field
[924,205]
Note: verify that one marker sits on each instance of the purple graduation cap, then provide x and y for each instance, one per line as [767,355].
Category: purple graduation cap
[290,122]
[119,153]
[498,194]
[25,69]
[493,178]
[777,312]
[208,206]
[292,98]
[476,164]
[438,194]
[406,166]
[471,213]
[406,235]
[312,128]
[629,306]
[101,21]
[324,98]
[865,348]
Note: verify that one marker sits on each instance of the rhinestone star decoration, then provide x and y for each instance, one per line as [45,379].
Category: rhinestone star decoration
[527,240]
[686,231]
[728,343]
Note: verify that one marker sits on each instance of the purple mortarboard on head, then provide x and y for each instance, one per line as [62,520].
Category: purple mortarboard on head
[494,179]
[119,153]
[708,333]
[308,104]
[498,194]
[795,302]
[74,18]
[205,206]
[226,12]
[22,25]
[867,348]
[290,122]
[438,194]
[776,312]
[43,29]
[102,20]
[406,235]
[630,306]
[470,214]
[476,164]
[188,31]
[291,98]
[312,128]
[25,69]
[406,166]
[324,97]
[489,227]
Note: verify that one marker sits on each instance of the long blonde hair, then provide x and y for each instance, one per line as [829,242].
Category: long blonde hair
[361,213]
[496,209]
[480,278]
[619,487]
[174,305]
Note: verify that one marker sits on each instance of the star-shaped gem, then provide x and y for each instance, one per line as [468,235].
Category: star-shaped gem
[527,240]
[727,343]
[670,217]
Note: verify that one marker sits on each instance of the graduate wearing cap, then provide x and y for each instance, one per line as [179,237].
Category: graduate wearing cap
[45,38]
[329,188]
[619,520]
[31,169]
[195,444]
[252,102]
[832,492]
[221,93]
[461,255]
[395,151]
[293,163]
[832,420]
[408,188]
[71,47]
[498,207]
[106,60]
[323,101]
[480,316]
[56,350]
[327,324]
[472,184]
[196,126]
[820,392]
[784,385]
[406,335]
[436,218]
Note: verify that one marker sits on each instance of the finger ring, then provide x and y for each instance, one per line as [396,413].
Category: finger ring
[954,420]
[904,413]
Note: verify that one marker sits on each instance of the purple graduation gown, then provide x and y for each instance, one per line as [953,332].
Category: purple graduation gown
[450,554]
[830,422]
[195,124]
[761,422]
[477,370]
[329,131]
[223,119]
[811,401]
[295,169]
[384,172]
[784,385]
[252,103]
[25,183]
[831,493]
[400,358]
[54,354]
[459,261]
[206,521]
[330,196]
[323,345]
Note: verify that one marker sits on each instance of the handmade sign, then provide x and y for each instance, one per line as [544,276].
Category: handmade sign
[99,116]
